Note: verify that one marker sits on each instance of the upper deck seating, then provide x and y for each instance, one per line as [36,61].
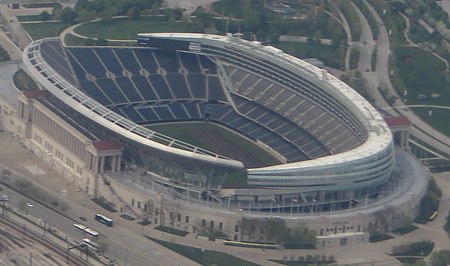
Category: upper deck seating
[55,56]
[109,60]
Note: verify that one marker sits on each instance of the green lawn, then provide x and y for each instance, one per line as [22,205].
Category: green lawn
[171,230]
[73,40]
[192,132]
[438,118]
[205,257]
[231,8]
[29,18]
[43,30]
[332,56]
[404,229]
[24,82]
[424,75]
[127,28]
[77,41]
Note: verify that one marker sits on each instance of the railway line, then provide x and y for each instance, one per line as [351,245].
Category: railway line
[48,244]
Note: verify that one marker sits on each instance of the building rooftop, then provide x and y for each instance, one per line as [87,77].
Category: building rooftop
[107,145]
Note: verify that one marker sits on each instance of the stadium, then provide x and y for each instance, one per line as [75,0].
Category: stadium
[329,149]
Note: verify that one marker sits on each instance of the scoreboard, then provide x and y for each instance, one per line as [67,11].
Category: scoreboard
[169,44]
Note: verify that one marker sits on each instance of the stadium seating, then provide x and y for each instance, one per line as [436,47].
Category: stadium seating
[109,60]
[285,76]
[86,62]
[277,107]
[54,55]
[282,100]
[190,62]
[127,58]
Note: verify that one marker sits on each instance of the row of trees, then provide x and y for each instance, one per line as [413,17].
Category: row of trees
[275,231]
[309,259]
[257,23]
[430,202]
[86,10]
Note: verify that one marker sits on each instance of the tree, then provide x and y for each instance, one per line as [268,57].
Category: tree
[45,16]
[85,15]
[274,229]
[302,235]
[56,12]
[147,212]
[107,14]
[204,20]
[173,212]
[248,226]
[398,6]
[440,258]
[155,8]
[68,15]
[252,23]
[429,202]
[134,13]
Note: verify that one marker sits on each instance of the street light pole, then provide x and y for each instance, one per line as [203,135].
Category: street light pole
[292,203]
[271,206]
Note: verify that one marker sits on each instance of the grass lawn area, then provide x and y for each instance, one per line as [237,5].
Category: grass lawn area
[438,119]
[43,30]
[127,28]
[231,8]
[209,136]
[104,204]
[408,261]
[379,237]
[331,56]
[127,217]
[404,229]
[423,75]
[171,230]
[73,40]
[23,82]
[29,18]
[205,257]
[77,41]
[302,263]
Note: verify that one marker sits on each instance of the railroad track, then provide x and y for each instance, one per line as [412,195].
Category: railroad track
[59,250]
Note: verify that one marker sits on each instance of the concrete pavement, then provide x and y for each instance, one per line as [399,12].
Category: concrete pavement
[126,232]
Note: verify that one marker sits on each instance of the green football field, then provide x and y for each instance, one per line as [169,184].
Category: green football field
[219,140]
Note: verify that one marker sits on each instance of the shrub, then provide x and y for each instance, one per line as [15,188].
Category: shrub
[104,204]
[171,230]
[127,217]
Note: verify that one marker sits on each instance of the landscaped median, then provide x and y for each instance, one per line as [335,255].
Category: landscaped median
[204,256]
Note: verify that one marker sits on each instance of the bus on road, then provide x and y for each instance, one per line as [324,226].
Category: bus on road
[91,245]
[104,220]
[86,230]
[79,227]
[90,232]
